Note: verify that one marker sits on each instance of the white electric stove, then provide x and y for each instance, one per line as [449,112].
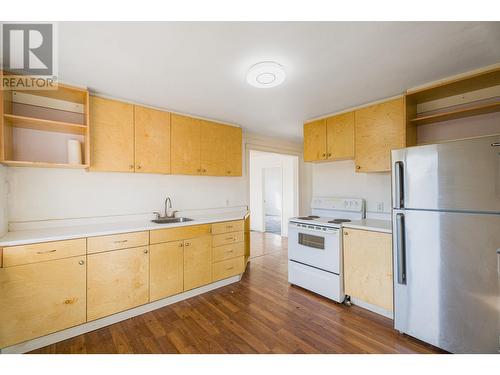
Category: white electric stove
[315,245]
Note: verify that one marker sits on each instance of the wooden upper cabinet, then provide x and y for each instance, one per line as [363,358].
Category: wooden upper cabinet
[152,140]
[40,298]
[368,266]
[379,129]
[112,135]
[340,137]
[315,141]
[185,145]
[234,141]
[213,145]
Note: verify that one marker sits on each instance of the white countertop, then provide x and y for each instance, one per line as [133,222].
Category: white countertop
[24,237]
[375,225]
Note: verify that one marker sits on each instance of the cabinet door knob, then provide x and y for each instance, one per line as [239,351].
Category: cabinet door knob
[329,154]
[204,170]
[358,167]
[139,166]
[187,244]
[131,166]
[198,170]
[323,154]
[181,244]
[346,233]
[228,172]
[81,263]
[146,251]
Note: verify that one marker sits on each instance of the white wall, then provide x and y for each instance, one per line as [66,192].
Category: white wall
[38,194]
[3,200]
[272,191]
[339,179]
[42,194]
[290,206]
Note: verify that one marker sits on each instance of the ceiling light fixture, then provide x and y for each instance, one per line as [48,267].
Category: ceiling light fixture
[266,74]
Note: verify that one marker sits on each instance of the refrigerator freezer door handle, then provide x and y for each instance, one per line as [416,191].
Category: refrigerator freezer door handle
[399,180]
[400,247]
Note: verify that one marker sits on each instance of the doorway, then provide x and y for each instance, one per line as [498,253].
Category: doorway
[273,191]
[273,199]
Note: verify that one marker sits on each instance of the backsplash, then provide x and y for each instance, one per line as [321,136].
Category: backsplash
[56,194]
[339,179]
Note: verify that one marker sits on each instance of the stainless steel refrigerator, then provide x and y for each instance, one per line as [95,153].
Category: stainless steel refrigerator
[446,244]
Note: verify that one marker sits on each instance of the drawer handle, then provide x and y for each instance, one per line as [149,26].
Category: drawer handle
[230,268]
[229,226]
[229,251]
[229,238]
[122,241]
[46,252]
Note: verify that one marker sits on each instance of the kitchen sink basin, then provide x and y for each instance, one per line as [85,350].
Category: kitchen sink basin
[171,220]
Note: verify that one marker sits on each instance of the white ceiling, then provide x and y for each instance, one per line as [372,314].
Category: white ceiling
[199,68]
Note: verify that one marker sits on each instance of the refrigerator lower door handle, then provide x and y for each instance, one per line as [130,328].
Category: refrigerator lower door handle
[400,247]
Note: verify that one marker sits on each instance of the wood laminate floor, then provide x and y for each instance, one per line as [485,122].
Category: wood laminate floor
[260,314]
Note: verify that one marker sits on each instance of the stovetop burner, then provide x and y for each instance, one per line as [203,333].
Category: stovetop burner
[305,218]
[339,221]
[313,217]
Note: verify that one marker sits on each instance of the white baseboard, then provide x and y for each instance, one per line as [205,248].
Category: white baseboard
[52,338]
[372,308]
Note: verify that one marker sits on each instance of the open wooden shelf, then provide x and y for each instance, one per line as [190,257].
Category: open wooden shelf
[18,163]
[459,85]
[45,125]
[457,113]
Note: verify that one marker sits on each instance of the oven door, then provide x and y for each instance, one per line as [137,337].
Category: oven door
[314,247]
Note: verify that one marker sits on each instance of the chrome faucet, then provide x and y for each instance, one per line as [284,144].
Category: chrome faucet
[168,212]
[169,201]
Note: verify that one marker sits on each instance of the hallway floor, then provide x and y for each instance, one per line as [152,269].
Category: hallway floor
[273,224]
[260,314]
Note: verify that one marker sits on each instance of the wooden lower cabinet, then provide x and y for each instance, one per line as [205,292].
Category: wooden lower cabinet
[166,274]
[368,267]
[41,298]
[116,281]
[197,262]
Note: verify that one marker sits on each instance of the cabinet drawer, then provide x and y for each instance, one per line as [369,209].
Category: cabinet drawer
[227,268]
[228,251]
[180,233]
[117,241]
[228,226]
[40,252]
[227,238]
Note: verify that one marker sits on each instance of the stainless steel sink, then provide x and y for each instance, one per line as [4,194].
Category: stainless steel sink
[171,220]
